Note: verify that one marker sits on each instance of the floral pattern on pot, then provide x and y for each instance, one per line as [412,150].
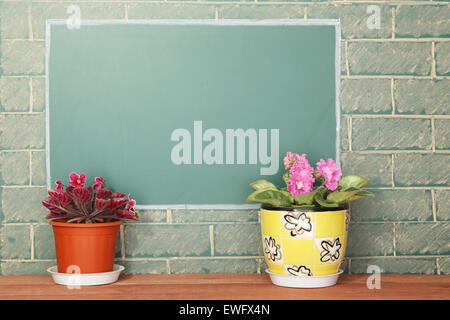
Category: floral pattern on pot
[298,271]
[273,250]
[298,224]
[330,250]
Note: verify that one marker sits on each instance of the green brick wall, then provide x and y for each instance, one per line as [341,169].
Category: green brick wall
[395,129]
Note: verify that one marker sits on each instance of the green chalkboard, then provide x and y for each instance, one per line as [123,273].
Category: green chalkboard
[188,113]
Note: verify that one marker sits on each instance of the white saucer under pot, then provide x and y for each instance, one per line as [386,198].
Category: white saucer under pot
[85,279]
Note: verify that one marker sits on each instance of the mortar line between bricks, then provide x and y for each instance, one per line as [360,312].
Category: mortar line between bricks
[433,136]
[397,257]
[168,259]
[169,216]
[206,223]
[347,68]
[389,76]
[394,244]
[392,96]
[435,39]
[438,267]
[409,188]
[392,171]
[433,60]
[140,259]
[388,115]
[211,239]
[6,76]
[349,132]
[393,22]
[433,204]
[401,151]
[190,258]
[381,40]
[422,3]
[22,112]
[30,170]
[24,150]
[168,266]
[23,40]
[215,257]
[32,242]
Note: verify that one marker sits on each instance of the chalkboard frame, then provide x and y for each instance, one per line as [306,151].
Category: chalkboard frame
[253,22]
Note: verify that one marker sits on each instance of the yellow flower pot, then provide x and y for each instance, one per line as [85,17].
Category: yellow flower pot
[304,244]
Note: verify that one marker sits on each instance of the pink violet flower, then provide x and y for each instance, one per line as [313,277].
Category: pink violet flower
[99,183]
[302,179]
[130,206]
[76,180]
[331,173]
[291,158]
[59,185]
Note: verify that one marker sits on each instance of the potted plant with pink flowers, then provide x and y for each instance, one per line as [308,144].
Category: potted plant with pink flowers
[85,222]
[304,224]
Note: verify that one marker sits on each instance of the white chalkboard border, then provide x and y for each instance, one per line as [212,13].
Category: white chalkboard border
[254,22]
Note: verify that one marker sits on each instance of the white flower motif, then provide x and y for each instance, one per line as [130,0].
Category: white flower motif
[297,223]
[331,250]
[272,249]
[299,271]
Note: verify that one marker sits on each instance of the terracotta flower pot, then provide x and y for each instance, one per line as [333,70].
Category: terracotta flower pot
[89,247]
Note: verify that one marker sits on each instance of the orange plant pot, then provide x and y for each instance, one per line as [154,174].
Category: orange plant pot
[89,247]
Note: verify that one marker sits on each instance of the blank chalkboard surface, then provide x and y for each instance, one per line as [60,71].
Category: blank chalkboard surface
[188,113]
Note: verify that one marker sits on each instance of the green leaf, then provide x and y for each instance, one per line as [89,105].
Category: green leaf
[320,199]
[263,184]
[272,197]
[287,194]
[362,194]
[357,182]
[340,197]
[305,198]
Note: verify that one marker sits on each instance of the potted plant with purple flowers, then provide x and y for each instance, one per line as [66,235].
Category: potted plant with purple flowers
[85,222]
[304,224]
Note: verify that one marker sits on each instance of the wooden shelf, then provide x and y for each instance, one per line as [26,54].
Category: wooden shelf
[226,287]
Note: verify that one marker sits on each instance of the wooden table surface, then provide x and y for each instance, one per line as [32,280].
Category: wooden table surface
[226,287]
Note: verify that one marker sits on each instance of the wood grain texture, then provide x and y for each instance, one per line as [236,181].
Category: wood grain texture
[227,287]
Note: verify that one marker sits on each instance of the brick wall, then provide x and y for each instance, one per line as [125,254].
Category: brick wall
[395,130]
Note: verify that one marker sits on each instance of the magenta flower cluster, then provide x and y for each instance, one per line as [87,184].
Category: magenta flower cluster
[88,204]
[302,176]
